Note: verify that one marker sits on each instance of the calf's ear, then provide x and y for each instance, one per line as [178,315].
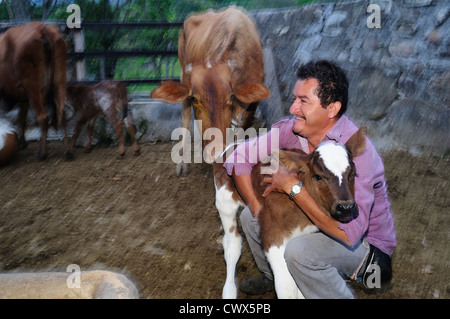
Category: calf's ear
[357,143]
[170,91]
[295,160]
[251,91]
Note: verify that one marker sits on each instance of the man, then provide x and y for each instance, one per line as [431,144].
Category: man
[318,261]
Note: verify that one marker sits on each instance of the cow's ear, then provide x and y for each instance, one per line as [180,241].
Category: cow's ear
[251,91]
[294,160]
[170,91]
[357,143]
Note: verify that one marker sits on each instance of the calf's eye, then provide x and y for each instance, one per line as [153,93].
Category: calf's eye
[317,177]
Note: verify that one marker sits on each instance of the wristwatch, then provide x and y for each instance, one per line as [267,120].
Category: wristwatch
[295,190]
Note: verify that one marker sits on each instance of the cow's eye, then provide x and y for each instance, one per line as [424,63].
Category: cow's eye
[317,177]
[193,99]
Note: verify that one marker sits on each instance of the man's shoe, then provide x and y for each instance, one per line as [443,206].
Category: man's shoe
[257,285]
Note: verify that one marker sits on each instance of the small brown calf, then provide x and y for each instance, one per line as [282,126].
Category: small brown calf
[106,98]
[328,174]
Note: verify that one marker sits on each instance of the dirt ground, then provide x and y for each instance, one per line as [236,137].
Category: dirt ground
[134,216]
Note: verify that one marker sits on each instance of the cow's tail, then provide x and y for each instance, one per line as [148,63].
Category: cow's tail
[56,53]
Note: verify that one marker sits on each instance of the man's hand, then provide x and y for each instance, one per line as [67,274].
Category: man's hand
[278,178]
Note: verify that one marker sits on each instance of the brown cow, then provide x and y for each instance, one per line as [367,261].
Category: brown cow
[33,73]
[280,219]
[106,98]
[222,73]
[222,77]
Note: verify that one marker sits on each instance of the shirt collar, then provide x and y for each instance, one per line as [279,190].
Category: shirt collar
[336,132]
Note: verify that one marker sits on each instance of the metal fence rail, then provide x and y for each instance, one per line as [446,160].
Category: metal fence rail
[78,54]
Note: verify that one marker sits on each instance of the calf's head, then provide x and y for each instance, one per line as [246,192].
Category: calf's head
[215,98]
[329,176]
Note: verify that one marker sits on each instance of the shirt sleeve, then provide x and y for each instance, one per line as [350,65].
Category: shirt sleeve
[252,151]
[248,154]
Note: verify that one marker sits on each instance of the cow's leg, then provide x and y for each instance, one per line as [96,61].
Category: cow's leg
[182,167]
[68,152]
[36,102]
[59,90]
[285,286]
[42,119]
[89,130]
[22,124]
[232,240]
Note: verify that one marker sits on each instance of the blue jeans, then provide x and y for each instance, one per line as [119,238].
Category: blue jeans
[316,261]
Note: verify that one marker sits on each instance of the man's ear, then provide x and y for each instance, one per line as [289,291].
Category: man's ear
[333,109]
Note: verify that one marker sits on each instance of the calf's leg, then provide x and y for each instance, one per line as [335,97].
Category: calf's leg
[81,121]
[115,122]
[232,241]
[285,286]
[129,123]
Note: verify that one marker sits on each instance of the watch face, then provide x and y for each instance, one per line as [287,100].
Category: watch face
[296,188]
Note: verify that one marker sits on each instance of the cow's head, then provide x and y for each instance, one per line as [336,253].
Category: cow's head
[329,176]
[215,98]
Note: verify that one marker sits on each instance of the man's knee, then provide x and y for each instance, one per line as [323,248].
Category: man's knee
[298,252]
[245,216]
[248,222]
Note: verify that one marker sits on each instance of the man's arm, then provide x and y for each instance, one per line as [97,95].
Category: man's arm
[244,186]
[282,181]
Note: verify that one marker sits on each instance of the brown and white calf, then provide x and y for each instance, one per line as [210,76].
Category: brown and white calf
[108,98]
[328,174]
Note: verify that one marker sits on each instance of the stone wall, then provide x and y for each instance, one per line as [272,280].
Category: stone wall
[399,73]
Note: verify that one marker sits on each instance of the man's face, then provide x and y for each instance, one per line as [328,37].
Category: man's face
[311,119]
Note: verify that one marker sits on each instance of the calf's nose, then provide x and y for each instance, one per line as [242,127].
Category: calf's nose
[346,211]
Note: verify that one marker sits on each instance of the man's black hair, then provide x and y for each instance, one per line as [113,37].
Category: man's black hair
[333,84]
